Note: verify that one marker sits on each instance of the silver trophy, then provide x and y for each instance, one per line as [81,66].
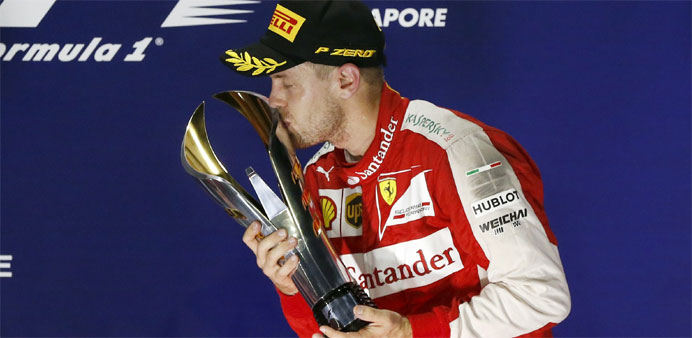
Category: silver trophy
[320,277]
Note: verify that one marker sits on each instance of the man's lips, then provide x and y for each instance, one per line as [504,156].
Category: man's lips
[286,122]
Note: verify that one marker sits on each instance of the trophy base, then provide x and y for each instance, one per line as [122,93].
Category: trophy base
[336,308]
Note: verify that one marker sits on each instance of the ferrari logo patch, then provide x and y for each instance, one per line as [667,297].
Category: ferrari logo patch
[388,190]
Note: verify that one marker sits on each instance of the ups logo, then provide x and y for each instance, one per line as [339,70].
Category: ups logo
[354,210]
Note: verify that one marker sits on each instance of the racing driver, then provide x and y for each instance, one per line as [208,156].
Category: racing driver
[437,215]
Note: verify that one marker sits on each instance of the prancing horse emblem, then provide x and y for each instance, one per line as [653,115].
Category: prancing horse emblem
[388,190]
[326,173]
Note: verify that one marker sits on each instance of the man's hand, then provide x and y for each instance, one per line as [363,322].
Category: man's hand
[268,251]
[384,323]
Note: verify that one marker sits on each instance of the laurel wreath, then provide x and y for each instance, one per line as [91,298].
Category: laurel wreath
[246,62]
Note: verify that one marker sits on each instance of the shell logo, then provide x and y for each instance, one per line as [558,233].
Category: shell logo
[328,212]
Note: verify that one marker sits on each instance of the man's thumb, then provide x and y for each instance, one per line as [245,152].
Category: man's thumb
[365,313]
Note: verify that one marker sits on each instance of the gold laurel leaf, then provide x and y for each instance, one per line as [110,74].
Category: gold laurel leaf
[232,53]
[258,71]
[257,62]
[270,61]
[244,68]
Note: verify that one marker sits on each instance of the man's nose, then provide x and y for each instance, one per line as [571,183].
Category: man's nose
[276,100]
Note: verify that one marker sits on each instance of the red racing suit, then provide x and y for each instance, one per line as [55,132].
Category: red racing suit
[441,221]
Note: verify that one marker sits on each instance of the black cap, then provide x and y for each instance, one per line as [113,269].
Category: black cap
[323,32]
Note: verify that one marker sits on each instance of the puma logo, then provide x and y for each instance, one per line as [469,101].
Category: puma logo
[326,173]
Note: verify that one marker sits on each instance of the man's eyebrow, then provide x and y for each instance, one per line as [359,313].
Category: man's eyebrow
[278,76]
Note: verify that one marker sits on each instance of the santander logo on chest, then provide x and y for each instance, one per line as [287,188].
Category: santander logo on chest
[394,268]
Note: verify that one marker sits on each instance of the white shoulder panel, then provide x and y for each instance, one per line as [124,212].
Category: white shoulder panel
[437,124]
[326,149]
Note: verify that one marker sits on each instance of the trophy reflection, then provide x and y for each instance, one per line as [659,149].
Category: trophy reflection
[320,277]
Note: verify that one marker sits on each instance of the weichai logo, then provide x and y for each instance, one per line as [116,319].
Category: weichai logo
[391,269]
[496,224]
[286,23]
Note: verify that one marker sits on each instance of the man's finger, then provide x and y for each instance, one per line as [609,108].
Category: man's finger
[331,333]
[281,249]
[288,267]
[266,244]
[249,236]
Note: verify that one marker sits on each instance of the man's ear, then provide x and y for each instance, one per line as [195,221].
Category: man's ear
[348,77]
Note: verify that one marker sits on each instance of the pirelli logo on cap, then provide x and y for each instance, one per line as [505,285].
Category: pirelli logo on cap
[285,23]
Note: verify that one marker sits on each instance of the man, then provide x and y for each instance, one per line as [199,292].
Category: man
[437,215]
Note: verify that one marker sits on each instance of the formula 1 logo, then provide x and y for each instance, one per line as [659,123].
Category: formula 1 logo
[197,13]
[23,13]
[30,13]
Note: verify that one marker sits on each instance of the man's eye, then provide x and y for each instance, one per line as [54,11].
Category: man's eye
[286,85]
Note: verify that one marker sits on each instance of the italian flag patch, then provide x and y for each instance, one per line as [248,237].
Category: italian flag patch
[483,168]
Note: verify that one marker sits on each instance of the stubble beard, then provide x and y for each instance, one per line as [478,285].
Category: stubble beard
[328,126]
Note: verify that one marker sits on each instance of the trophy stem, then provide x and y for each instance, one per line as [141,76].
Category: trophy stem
[321,277]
